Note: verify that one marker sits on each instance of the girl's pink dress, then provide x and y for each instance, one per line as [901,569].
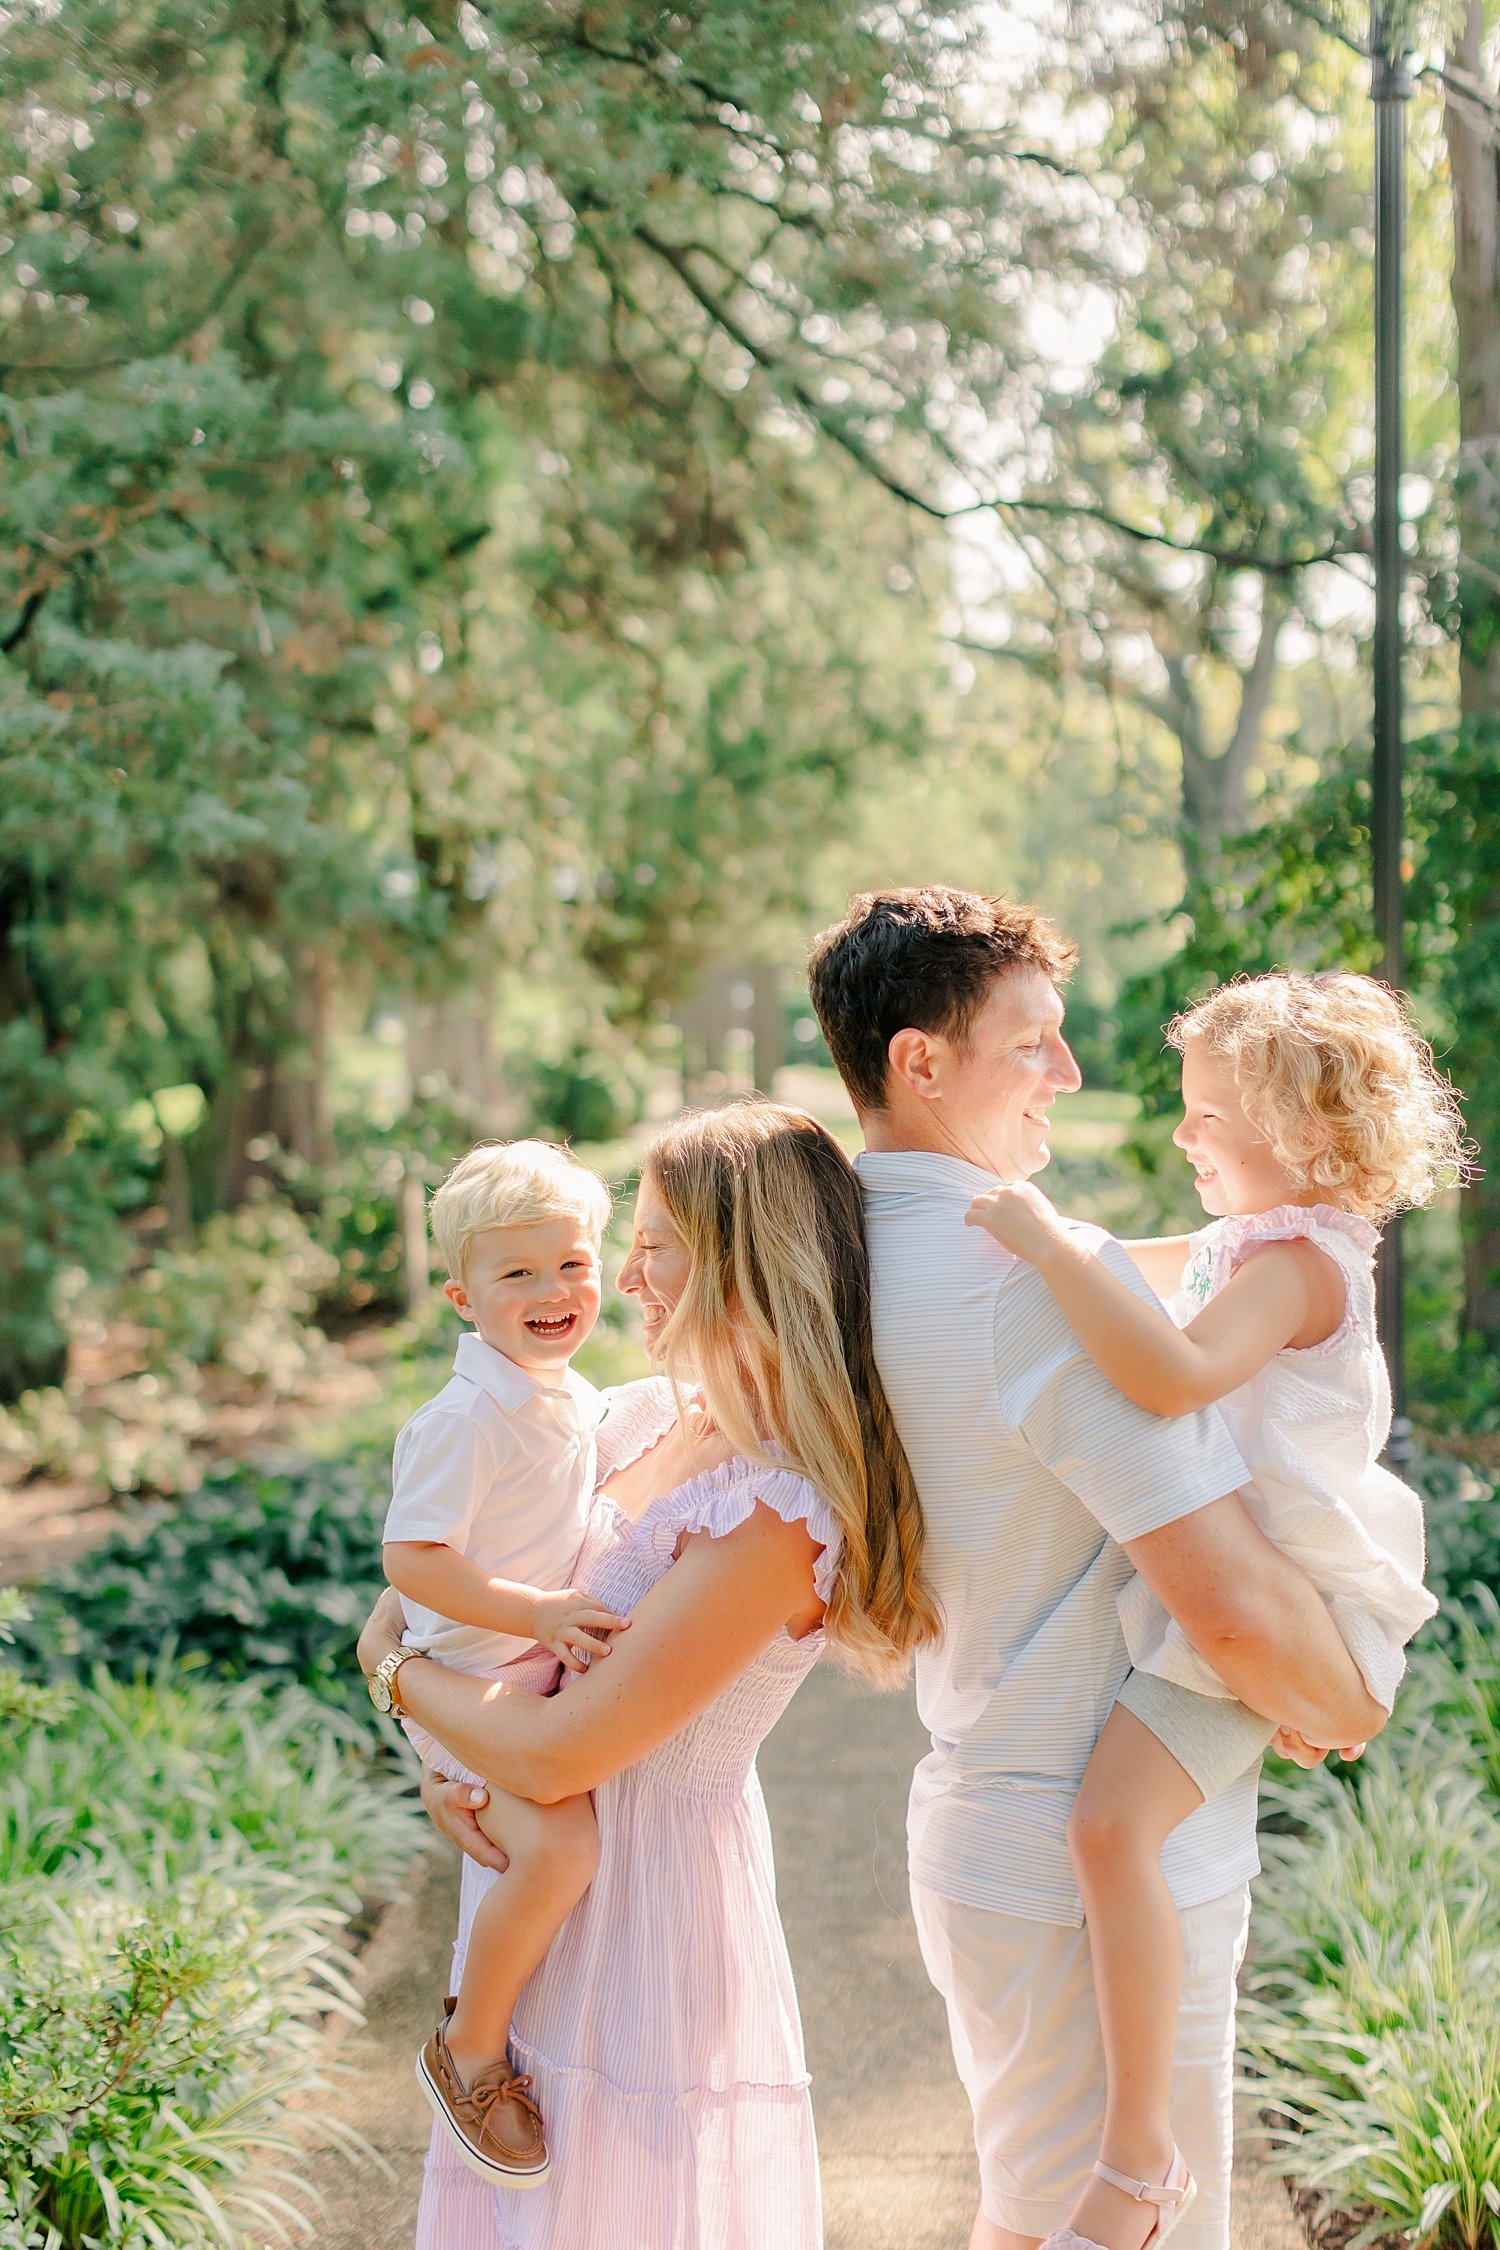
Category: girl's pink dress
[661,2032]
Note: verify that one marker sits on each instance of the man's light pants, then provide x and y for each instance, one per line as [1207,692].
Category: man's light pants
[1025,2032]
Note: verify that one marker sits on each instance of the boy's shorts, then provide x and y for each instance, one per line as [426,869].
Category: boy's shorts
[538,1672]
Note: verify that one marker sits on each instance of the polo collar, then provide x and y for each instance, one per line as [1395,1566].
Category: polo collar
[889,1170]
[508,1385]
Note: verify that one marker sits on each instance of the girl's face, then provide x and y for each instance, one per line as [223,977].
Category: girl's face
[656,1271]
[1236,1171]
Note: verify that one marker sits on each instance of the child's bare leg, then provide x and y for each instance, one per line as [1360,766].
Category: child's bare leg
[553,1851]
[1133,1794]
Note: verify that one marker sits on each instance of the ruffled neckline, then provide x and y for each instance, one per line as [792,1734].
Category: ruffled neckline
[1297,1219]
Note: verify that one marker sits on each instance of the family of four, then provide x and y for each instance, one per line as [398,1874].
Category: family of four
[903,1408]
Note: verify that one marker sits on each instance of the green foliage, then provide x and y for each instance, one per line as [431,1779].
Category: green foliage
[445,521]
[592,1094]
[1370,2016]
[267,1574]
[1463,1532]
[241,1299]
[147,2044]
[353,1202]
[22,1701]
[177,1861]
[202,1773]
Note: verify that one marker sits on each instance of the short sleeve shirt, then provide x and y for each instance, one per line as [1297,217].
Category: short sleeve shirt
[1031,1468]
[499,1467]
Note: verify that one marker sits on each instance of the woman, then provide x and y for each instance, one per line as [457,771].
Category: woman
[773,1511]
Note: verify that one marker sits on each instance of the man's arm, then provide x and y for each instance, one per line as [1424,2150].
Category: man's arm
[1259,1621]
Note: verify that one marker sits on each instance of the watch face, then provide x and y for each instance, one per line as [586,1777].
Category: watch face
[380,1693]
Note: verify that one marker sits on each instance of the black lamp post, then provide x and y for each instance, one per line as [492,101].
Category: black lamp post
[1391,89]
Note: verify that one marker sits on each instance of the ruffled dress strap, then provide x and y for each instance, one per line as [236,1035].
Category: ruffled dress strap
[1350,1241]
[720,1500]
[635,1416]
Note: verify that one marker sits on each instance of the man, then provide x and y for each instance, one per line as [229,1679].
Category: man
[1042,1487]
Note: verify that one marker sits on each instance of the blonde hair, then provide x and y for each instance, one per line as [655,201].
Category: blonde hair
[774,1324]
[1334,1073]
[513,1184]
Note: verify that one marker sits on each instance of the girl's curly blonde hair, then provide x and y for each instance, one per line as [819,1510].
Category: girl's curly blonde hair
[1334,1073]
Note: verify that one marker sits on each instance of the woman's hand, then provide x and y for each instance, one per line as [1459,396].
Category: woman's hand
[382,1631]
[451,1806]
[1019,1217]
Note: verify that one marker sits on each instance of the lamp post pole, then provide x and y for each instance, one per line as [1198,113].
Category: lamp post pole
[1391,90]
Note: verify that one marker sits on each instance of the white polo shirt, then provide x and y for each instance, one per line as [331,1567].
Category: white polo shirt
[1030,1465]
[499,1467]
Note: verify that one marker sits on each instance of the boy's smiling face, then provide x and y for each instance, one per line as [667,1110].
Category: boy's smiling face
[531,1291]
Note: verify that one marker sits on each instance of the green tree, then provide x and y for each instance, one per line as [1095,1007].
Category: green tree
[331,336]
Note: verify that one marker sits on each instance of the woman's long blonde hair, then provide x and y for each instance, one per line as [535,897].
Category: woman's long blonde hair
[774,1325]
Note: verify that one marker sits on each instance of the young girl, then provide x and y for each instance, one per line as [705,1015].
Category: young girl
[1311,1110]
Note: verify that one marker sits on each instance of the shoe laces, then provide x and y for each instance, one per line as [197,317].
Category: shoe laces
[500,2084]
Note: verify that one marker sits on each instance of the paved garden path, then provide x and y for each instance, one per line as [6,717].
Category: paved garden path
[898,2165]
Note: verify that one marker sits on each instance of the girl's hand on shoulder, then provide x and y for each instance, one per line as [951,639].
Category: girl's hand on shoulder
[1019,1217]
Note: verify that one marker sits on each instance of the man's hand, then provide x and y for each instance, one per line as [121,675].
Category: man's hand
[576,1627]
[451,1806]
[1019,1217]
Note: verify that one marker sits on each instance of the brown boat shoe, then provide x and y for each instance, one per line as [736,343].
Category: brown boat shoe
[493,2124]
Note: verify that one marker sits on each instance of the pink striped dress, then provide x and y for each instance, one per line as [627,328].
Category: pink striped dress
[661,2031]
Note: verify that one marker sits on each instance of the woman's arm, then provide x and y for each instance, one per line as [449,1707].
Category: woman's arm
[567,1622]
[696,1630]
[1284,1293]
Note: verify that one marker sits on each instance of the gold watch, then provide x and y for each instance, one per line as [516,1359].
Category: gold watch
[383,1692]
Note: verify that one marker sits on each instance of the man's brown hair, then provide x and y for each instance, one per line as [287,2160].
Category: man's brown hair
[920,960]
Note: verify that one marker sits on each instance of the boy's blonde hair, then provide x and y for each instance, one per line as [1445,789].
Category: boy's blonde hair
[1334,1073]
[512,1184]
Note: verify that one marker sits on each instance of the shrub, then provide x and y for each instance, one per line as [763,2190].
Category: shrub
[353,1204]
[162,1775]
[146,2043]
[178,1860]
[592,1093]
[241,1298]
[1463,1532]
[270,1574]
[1371,2018]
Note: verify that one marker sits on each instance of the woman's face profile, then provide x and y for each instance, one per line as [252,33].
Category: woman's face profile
[656,1271]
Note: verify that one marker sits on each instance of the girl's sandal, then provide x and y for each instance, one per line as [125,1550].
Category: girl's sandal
[1173,2199]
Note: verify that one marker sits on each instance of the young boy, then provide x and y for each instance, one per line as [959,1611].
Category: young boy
[493,1484]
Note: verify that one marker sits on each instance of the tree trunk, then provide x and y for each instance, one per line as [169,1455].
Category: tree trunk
[273,1088]
[1472,157]
[1215,784]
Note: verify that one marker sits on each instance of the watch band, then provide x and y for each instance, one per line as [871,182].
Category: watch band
[393,1678]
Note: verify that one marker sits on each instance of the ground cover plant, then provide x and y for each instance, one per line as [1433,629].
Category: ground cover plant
[180,1859]
[270,1572]
[1370,2021]
[1370,2024]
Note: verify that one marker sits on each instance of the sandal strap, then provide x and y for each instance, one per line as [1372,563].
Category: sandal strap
[1145,2191]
